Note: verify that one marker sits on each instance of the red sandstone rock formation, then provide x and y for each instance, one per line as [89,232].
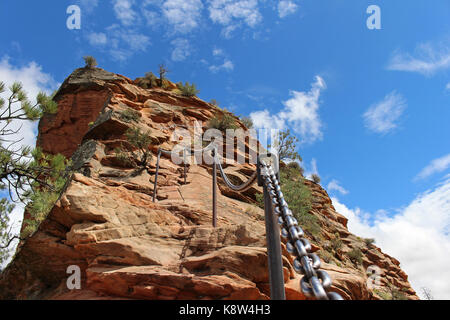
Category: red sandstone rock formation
[129,247]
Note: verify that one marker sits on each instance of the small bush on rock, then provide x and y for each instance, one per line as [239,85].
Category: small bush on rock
[222,122]
[188,90]
[90,62]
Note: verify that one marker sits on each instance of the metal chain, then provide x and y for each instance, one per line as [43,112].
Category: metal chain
[243,187]
[315,282]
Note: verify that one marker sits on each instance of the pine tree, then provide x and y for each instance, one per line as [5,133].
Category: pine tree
[27,175]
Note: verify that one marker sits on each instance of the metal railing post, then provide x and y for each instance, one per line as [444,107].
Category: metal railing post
[155,186]
[274,256]
[214,189]
[185,168]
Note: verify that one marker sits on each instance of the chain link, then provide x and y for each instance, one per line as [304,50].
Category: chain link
[315,282]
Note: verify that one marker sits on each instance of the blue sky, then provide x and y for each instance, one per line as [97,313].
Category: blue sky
[372,107]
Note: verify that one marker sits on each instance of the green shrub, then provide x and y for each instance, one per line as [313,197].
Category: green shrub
[391,293]
[396,294]
[129,115]
[355,255]
[326,256]
[316,178]
[382,294]
[222,122]
[259,200]
[152,80]
[188,90]
[214,102]
[298,197]
[123,158]
[369,241]
[90,62]
[293,165]
[336,243]
[296,166]
[140,141]
[247,122]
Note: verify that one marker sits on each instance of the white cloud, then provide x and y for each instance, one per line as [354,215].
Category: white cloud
[124,12]
[418,236]
[226,66]
[183,15]
[181,50]
[437,165]
[136,41]
[335,186]
[232,13]
[311,169]
[427,59]
[121,42]
[382,116]
[218,52]
[286,7]
[447,87]
[97,38]
[263,119]
[301,112]
[33,80]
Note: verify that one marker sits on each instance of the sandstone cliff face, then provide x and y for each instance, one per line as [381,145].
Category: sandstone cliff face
[129,247]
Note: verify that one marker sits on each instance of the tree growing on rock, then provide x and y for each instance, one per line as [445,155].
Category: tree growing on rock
[285,145]
[90,62]
[140,156]
[27,176]
[163,71]
[427,293]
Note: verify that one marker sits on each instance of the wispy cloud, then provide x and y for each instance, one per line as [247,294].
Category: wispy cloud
[227,65]
[418,235]
[382,117]
[219,55]
[182,15]
[286,7]
[301,112]
[436,166]
[311,169]
[218,52]
[175,19]
[120,42]
[96,39]
[231,14]
[181,50]
[427,59]
[335,186]
[447,87]
[124,11]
